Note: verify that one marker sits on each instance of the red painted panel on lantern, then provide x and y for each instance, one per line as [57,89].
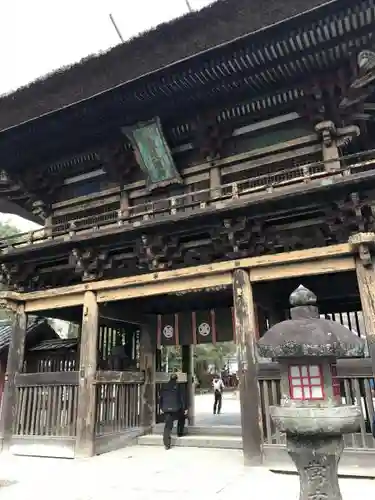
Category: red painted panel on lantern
[336,389]
[306,382]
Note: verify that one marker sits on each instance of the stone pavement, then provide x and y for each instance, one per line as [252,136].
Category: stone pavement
[230,415]
[144,473]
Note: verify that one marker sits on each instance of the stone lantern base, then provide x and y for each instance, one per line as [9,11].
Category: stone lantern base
[317,459]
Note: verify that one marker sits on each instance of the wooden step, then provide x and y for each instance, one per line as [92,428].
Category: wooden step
[206,430]
[195,441]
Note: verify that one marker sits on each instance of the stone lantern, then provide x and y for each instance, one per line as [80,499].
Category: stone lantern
[311,413]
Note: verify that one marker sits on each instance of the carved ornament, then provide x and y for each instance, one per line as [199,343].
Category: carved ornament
[90,263]
[339,136]
[363,244]
[208,137]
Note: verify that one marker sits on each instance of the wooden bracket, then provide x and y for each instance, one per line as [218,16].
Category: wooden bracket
[363,244]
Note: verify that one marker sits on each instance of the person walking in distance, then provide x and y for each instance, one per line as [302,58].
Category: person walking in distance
[173,405]
[218,386]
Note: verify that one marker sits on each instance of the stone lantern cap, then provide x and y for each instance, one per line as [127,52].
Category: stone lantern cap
[306,334]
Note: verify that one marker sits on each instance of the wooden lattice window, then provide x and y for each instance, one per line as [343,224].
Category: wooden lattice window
[306,382]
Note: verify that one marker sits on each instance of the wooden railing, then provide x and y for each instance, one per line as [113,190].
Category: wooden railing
[118,407]
[355,376]
[46,404]
[196,201]
[118,399]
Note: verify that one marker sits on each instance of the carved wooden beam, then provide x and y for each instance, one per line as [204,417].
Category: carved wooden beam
[18,276]
[90,263]
[208,136]
[118,162]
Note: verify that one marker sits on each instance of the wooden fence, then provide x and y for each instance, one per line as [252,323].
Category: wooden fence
[355,376]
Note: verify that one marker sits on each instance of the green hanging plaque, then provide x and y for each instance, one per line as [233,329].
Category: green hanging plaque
[153,154]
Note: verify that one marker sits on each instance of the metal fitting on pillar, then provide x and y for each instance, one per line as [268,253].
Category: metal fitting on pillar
[311,413]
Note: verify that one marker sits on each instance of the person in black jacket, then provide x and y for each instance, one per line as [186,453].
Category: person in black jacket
[173,405]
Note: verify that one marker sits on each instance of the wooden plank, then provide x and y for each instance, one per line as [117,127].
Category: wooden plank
[247,155]
[14,366]
[86,198]
[116,377]
[163,377]
[161,288]
[49,303]
[86,206]
[366,287]
[87,391]
[316,187]
[267,160]
[284,271]
[117,440]
[199,170]
[195,271]
[147,364]
[43,446]
[188,181]
[46,379]
[244,318]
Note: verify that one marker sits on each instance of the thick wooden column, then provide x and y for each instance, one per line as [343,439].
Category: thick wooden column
[86,412]
[245,324]
[215,182]
[363,244]
[124,203]
[188,368]
[147,364]
[14,366]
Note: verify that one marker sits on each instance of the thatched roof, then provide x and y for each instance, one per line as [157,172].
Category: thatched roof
[223,21]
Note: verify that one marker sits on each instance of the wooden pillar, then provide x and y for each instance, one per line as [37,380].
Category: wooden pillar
[363,244]
[148,391]
[86,412]
[48,226]
[245,324]
[14,366]
[124,204]
[188,368]
[215,182]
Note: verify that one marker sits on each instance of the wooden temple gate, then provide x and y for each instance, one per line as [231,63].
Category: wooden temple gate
[47,387]
[80,400]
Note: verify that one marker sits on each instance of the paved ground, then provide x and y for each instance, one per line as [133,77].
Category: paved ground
[144,473]
[230,413]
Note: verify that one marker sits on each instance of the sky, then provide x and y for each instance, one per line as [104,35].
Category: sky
[40,36]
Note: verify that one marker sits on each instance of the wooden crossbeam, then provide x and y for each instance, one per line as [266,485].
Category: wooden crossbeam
[315,261]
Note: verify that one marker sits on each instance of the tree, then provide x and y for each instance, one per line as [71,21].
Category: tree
[215,355]
[206,355]
[6,230]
